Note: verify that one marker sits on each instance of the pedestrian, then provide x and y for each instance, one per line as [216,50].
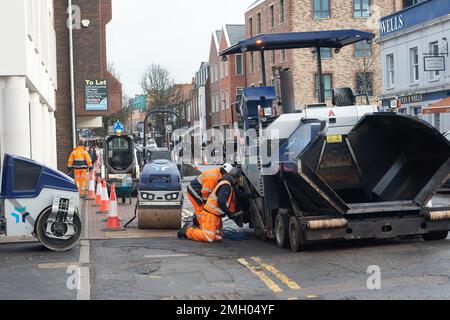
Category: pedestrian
[200,188]
[222,202]
[79,163]
[93,154]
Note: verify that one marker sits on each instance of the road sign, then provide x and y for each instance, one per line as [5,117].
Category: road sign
[119,128]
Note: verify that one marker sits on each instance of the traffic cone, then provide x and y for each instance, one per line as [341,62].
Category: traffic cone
[91,192]
[113,222]
[98,194]
[104,204]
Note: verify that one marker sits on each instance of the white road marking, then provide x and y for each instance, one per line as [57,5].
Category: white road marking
[167,256]
[84,292]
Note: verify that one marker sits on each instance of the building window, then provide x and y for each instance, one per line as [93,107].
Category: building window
[283,55]
[328,85]
[364,83]
[363,49]
[325,53]
[239,65]
[361,8]
[252,62]
[258,17]
[227,99]
[272,16]
[321,9]
[217,72]
[409,3]
[390,68]
[239,94]
[226,66]
[414,65]
[217,102]
[223,101]
[417,111]
[273,57]
[434,51]
[282,12]
[250,25]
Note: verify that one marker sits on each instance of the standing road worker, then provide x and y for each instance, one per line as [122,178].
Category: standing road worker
[222,202]
[79,162]
[201,187]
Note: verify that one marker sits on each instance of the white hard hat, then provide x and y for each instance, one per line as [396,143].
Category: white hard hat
[227,167]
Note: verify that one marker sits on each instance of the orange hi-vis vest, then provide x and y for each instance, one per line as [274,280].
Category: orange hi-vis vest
[212,205]
[79,159]
[202,187]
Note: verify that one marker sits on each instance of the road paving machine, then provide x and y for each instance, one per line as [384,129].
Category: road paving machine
[336,171]
[39,201]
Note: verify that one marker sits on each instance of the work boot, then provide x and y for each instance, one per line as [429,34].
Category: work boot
[182,233]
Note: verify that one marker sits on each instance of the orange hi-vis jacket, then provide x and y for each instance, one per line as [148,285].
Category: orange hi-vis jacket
[79,159]
[212,205]
[201,188]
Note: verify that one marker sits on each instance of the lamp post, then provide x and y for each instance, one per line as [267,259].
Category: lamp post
[72,76]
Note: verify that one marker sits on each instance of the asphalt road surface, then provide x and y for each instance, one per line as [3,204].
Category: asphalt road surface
[168,268]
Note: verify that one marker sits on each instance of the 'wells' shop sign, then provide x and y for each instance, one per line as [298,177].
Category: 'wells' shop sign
[425,11]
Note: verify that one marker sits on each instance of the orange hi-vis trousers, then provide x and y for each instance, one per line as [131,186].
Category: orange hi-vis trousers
[210,229]
[80,180]
[198,209]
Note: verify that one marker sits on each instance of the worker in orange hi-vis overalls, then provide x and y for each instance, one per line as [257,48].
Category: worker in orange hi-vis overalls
[222,202]
[199,190]
[79,162]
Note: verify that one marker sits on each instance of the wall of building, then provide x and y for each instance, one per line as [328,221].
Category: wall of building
[343,66]
[429,87]
[214,65]
[90,62]
[28,80]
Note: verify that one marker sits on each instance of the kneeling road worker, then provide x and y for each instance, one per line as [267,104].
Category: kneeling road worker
[200,188]
[221,203]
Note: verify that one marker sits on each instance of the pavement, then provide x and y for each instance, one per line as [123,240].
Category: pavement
[141,265]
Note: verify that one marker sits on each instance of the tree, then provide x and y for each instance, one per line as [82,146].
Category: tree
[113,70]
[365,71]
[157,82]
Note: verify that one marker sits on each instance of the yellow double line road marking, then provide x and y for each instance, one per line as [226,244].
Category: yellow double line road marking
[282,277]
[261,275]
[265,278]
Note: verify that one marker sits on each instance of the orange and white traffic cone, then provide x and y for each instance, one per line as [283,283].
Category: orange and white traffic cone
[98,194]
[113,222]
[104,204]
[91,191]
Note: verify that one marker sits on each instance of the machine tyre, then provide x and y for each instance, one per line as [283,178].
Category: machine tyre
[55,244]
[435,236]
[282,230]
[295,235]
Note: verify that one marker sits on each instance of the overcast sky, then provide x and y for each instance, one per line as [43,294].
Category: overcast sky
[173,33]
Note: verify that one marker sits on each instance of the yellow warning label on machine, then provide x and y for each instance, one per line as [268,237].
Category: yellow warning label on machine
[335,139]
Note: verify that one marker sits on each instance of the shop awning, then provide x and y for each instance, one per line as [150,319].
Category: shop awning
[294,40]
[442,106]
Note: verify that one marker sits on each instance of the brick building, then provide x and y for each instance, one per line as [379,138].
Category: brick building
[90,63]
[227,78]
[198,113]
[357,66]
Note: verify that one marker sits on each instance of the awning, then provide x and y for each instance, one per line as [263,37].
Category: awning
[295,40]
[442,106]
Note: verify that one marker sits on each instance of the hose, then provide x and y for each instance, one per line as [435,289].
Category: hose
[234,235]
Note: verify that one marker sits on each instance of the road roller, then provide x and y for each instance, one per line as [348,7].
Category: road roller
[41,202]
[337,169]
[160,196]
